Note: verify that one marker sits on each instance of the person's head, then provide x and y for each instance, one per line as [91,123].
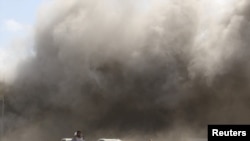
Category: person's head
[78,134]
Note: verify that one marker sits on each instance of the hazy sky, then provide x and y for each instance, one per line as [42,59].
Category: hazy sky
[16,22]
[15,17]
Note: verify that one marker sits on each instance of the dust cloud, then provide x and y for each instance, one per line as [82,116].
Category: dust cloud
[133,70]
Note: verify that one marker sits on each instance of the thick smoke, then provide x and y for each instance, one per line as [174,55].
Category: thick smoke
[134,70]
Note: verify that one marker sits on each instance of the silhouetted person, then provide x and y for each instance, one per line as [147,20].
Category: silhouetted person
[78,136]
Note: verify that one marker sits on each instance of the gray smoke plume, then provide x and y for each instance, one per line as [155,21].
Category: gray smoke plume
[134,70]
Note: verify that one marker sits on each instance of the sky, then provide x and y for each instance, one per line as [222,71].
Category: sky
[17,18]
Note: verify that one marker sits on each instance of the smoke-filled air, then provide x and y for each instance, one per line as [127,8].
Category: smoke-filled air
[134,70]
